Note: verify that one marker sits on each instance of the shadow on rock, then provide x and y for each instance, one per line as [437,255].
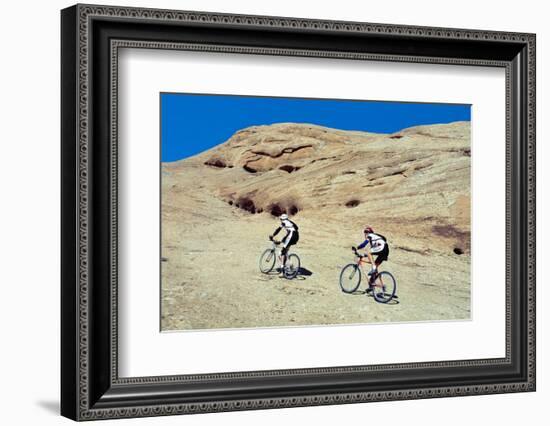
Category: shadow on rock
[304,272]
[368,293]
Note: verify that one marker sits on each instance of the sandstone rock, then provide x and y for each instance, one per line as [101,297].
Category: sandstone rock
[218,208]
[411,185]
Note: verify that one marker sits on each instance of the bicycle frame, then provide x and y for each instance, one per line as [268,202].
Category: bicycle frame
[361,260]
[275,246]
[276,251]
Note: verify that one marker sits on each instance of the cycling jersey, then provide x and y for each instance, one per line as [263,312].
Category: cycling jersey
[288,225]
[377,243]
[291,229]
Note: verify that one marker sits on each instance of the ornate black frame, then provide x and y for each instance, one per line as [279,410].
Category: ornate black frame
[91,37]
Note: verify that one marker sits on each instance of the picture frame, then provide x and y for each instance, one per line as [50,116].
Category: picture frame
[90,385]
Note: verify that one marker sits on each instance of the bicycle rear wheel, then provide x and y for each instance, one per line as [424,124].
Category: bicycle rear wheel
[292,266]
[384,287]
[350,278]
[267,261]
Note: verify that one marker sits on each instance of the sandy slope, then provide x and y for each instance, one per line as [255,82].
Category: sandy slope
[412,186]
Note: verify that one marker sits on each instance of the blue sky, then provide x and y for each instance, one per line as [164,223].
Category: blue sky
[192,123]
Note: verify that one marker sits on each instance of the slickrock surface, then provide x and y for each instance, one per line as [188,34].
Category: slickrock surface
[219,207]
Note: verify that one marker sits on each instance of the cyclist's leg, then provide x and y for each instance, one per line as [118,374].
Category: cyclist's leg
[289,241]
[377,262]
[280,257]
[382,256]
[371,260]
[284,251]
[371,275]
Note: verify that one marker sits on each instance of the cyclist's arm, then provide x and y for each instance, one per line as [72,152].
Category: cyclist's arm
[363,244]
[277,230]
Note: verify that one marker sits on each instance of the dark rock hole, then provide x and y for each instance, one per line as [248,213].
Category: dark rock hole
[458,250]
[276,210]
[216,163]
[289,169]
[246,204]
[353,203]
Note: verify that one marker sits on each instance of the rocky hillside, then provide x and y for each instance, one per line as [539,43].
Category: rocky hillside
[219,207]
[415,182]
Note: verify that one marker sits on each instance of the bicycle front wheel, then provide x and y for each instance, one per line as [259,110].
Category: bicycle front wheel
[384,287]
[350,278]
[292,266]
[267,261]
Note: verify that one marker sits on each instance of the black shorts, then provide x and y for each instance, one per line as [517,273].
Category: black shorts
[293,240]
[382,255]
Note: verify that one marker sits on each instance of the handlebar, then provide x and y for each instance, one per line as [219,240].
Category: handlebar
[359,255]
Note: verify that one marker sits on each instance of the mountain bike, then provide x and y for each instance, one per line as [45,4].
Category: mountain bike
[269,258]
[382,284]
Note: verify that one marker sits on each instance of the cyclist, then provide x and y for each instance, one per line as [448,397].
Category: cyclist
[292,236]
[378,246]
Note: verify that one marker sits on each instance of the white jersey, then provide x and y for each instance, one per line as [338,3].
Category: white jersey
[291,232]
[377,242]
[288,225]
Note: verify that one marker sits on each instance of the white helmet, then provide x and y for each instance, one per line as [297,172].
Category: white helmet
[284,216]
